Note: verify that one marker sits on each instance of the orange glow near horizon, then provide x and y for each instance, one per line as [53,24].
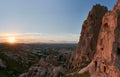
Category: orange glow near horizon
[36,38]
[11,40]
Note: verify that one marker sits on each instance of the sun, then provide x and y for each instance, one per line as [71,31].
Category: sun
[11,39]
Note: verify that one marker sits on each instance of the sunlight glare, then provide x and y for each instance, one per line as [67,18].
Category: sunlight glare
[11,39]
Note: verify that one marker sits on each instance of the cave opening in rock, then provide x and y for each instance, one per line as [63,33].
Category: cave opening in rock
[88,54]
[102,49]
[95,65]
[118,51]
[104,69]
[106,27]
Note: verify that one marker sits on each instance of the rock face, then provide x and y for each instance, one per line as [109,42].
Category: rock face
[87,44]
[105,56]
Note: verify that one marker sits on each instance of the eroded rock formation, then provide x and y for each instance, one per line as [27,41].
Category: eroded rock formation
[105,58]
[87,44]
[45,68]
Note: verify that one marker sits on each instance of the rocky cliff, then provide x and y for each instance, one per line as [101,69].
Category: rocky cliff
[89,36]
[107,57]
[99,51]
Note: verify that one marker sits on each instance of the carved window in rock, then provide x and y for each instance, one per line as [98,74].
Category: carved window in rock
[104,69]
[118,51]
[95,65]
[102,49]
[101,42]
[87,54]
[105,27]
[91,16]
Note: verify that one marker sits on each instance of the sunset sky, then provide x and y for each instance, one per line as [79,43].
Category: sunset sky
[45,20]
